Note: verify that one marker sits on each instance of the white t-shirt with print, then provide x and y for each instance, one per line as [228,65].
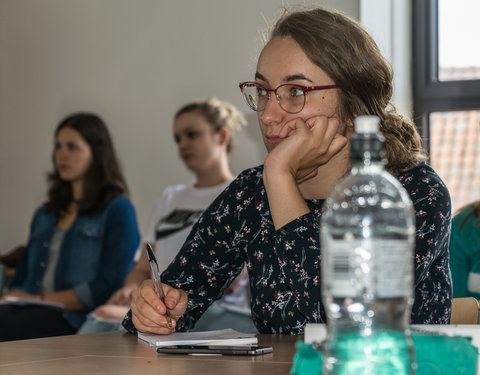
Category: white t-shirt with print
[175,212]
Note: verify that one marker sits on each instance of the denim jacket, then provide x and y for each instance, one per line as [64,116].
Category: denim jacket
[96,255]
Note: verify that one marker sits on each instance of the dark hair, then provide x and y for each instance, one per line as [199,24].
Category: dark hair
[104,179]
[349,55]
[218,114]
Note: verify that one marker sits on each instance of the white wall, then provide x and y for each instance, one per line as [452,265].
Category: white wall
[389,23]
[134,62]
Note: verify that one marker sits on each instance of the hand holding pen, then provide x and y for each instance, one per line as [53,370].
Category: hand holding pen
[149,311]
[156,276]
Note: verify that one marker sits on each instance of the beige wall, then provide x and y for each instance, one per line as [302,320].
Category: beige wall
[132,61]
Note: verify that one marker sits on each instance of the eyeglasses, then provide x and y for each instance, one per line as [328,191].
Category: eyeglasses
[291,98]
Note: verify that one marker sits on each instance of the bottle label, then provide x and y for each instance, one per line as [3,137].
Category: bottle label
[381,267]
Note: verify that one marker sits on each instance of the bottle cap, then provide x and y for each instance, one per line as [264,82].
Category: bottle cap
[367,124]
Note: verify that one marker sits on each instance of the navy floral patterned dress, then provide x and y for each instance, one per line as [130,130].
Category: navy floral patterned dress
[284,264]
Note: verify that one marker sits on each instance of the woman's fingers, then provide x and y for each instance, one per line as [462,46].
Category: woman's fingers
[148,311]
[292,126]
[325,133]
[146,319]
[306,146]
[319,145]
[338,142]
[176,301]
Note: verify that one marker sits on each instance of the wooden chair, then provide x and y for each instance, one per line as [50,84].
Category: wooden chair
[465,311]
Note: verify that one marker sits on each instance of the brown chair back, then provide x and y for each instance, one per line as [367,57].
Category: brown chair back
[465,311]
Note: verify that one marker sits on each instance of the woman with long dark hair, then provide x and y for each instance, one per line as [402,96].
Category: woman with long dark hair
[82,240]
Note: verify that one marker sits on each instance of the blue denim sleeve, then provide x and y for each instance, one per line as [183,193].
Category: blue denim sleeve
[120,241]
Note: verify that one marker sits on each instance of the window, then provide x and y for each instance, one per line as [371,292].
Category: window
[458,61]
[446,91]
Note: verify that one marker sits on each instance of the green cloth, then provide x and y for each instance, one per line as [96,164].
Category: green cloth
[465,254]
[434,354]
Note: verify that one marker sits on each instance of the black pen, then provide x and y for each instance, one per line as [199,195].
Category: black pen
[156,276]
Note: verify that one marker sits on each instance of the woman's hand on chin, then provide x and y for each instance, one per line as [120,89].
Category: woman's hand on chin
[306,146]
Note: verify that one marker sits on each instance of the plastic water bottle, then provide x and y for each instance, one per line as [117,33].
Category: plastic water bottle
[367,235]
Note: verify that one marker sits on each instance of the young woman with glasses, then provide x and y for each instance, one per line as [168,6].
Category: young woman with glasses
[318,71]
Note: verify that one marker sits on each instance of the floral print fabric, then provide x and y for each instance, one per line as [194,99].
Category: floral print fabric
[284,264]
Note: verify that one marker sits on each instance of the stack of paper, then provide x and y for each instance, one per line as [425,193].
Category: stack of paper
[219,337]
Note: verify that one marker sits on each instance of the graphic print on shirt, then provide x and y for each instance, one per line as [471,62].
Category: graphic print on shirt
[175,221]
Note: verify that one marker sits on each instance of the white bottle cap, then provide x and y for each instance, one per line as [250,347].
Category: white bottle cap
[367,124]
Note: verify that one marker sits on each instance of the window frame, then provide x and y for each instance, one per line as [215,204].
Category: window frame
[429,93]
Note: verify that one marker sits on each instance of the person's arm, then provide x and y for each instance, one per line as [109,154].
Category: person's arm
[120,241]
[66,297]
[433,285]
[148,312]
[296,159]
[205,266]
[306,147]
[121,233]
[286,201]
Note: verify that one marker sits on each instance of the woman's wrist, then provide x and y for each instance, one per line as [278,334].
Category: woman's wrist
[275,174]
[273,165]
[279,185]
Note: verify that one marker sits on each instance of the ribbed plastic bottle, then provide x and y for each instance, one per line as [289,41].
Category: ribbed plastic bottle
[367,236]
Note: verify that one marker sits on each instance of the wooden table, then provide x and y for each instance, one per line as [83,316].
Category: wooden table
[122,353]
